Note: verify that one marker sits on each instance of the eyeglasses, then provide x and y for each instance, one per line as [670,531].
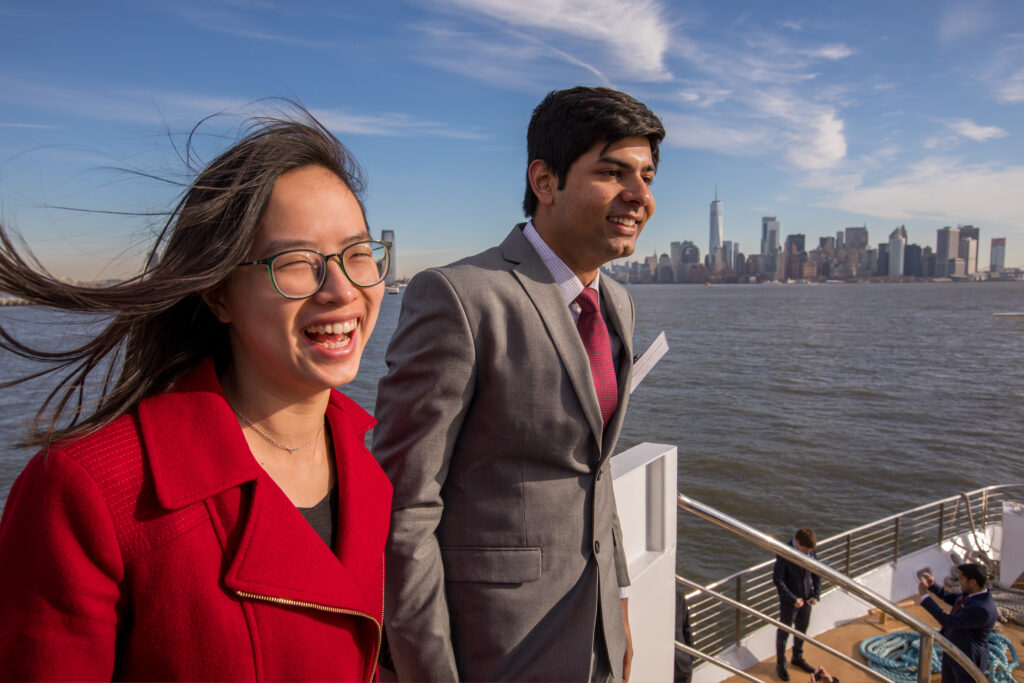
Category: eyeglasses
[300,273]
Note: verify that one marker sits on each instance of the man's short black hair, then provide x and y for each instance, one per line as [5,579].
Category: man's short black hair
[568,122]
[970,570]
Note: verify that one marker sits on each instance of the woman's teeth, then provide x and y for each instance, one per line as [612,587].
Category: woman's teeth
[331,336]
[337,328]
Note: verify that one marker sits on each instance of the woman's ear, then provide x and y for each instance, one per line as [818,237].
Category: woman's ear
[215,301]
[543,181]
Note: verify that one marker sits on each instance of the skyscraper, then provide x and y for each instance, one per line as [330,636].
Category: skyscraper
[770,252]
[715,238]
[968,248]
[947,248]
[769,235]
[897,251]
[997,258]
[389,236]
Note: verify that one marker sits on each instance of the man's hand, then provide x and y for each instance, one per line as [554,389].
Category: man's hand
[812,601]
[627,659]
[799,603]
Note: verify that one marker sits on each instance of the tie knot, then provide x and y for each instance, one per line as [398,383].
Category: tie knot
[587,300]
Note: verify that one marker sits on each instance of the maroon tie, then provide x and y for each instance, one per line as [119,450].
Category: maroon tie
[594,334]
[959,603]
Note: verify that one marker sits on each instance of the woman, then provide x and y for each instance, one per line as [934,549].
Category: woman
[162,537]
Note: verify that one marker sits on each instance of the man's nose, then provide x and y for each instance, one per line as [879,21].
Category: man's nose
[637,190]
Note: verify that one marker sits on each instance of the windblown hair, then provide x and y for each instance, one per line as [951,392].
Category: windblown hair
[569,122]
[806,538]
[970,570]
[161,327]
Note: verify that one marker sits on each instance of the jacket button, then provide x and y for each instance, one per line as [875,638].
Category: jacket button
[597,547]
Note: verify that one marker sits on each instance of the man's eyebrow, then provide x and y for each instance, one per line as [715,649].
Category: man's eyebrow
[607,159]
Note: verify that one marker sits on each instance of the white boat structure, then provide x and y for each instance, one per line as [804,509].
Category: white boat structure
[868,576]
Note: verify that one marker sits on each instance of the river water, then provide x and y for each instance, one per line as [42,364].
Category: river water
[826,406]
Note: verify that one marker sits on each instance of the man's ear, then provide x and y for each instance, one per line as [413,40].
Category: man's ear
[543,181]
[214,300]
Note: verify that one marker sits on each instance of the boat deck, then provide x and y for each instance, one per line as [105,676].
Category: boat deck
[847,638]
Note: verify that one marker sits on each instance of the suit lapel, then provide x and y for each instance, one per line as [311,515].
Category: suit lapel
[538,284]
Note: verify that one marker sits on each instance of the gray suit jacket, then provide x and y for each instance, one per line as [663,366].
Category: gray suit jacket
[505,551]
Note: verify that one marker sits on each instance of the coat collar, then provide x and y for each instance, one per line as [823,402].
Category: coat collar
[196,452]
[195,446]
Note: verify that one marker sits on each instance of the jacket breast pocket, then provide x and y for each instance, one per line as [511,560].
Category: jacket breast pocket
[492,565]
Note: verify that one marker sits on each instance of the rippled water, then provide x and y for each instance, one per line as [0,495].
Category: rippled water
[820,405]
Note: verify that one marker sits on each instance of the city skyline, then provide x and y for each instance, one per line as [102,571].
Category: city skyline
[772,232]
[823,116]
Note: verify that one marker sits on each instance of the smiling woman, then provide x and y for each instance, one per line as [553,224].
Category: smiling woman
[219,473]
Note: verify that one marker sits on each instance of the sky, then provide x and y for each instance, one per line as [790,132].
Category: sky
[825,115]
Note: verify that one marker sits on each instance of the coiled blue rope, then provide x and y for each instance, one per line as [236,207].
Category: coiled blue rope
[895,655]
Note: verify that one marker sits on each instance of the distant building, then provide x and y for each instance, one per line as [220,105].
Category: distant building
[392,277]
[897,251]
[795,243]
[968,247]
[716,227]
[997,258]
[883,260]
[769,235]
[664,272]
[772,266]
[856,238]
[690,253]
[728,253]
[912,261]
[947,248]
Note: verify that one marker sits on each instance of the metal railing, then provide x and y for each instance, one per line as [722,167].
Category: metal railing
[718,624]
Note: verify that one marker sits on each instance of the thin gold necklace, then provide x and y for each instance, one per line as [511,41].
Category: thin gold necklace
[274,441]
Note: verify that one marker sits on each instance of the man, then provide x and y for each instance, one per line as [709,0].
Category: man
[799,589]
[497,420]
[969,624]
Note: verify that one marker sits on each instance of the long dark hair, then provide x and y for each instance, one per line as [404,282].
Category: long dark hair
[161,327]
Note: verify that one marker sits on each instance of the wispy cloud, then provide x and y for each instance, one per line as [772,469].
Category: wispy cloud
[945,190]
[833,52]
[634,32]
[158,108]
[964,19]
[234,17]
[969,129]
[26,125]
[511,59]
[964,128]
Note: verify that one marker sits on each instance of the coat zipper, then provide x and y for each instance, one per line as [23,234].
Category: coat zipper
[323,608]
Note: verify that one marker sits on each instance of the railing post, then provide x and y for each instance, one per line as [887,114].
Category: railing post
[942,523]
[896,541]
[849,547]
[739,614]
[924,659]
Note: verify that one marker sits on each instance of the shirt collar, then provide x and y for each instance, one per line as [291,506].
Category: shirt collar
[567,282]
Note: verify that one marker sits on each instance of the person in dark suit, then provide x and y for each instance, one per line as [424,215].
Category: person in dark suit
[507,383]
[799,590]
[969,624]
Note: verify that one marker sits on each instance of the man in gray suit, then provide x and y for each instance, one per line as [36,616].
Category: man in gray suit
[504,398]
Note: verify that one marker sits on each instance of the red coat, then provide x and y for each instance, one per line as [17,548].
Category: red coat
[158,549]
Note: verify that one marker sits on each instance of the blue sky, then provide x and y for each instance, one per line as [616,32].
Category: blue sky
[823,114]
